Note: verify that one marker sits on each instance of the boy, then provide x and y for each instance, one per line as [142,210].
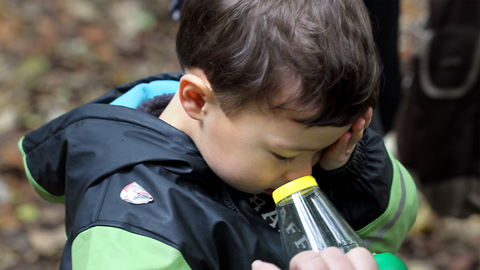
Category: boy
[272,91]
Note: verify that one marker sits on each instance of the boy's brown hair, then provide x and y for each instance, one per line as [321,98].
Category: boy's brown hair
[252,50]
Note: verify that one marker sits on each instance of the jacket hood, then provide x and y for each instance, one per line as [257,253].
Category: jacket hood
[107,138]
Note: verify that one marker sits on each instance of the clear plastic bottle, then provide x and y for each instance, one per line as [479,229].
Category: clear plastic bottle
[309,221]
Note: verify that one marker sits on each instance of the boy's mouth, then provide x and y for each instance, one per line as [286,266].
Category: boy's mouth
[268,191]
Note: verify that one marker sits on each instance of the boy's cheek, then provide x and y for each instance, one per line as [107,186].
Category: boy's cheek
[316,157]
[339,140]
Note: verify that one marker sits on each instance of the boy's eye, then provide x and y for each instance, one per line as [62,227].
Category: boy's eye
[282,158]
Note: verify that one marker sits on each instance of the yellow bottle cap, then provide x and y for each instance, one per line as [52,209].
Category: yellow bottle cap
[292,187]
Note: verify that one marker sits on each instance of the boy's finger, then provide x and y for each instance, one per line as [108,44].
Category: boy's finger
[368,117]
[259,265]
[343,143]
[357,132]
[358,127]
[337,154]
[308,260]
[362,259]
[335,259]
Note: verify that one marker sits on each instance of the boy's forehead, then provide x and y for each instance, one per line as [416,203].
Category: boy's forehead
[285,121]
[279,129]
[293,136]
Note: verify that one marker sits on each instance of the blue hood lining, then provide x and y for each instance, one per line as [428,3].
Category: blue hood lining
[145,91]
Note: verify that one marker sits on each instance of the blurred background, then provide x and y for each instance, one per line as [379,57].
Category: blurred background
[58,54]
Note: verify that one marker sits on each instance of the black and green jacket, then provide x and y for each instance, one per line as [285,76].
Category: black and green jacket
[86,157]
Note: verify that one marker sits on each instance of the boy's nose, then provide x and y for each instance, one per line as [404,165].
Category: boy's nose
[299,170]
[303,168]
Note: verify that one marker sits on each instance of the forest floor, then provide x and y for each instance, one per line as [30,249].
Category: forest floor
[56,55]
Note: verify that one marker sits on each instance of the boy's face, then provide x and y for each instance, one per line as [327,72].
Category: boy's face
[256,152]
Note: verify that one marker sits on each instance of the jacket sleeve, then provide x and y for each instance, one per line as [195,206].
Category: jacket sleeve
[103,247]
[374,192]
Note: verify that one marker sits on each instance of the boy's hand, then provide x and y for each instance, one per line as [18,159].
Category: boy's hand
[337,154]
[330,258]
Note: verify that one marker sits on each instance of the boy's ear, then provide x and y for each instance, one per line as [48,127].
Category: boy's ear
[194,93]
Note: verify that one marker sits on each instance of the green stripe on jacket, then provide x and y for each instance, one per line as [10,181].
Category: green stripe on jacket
[104,247]
[384,233]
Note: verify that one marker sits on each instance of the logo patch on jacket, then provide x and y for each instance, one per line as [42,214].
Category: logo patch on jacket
[135,194]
